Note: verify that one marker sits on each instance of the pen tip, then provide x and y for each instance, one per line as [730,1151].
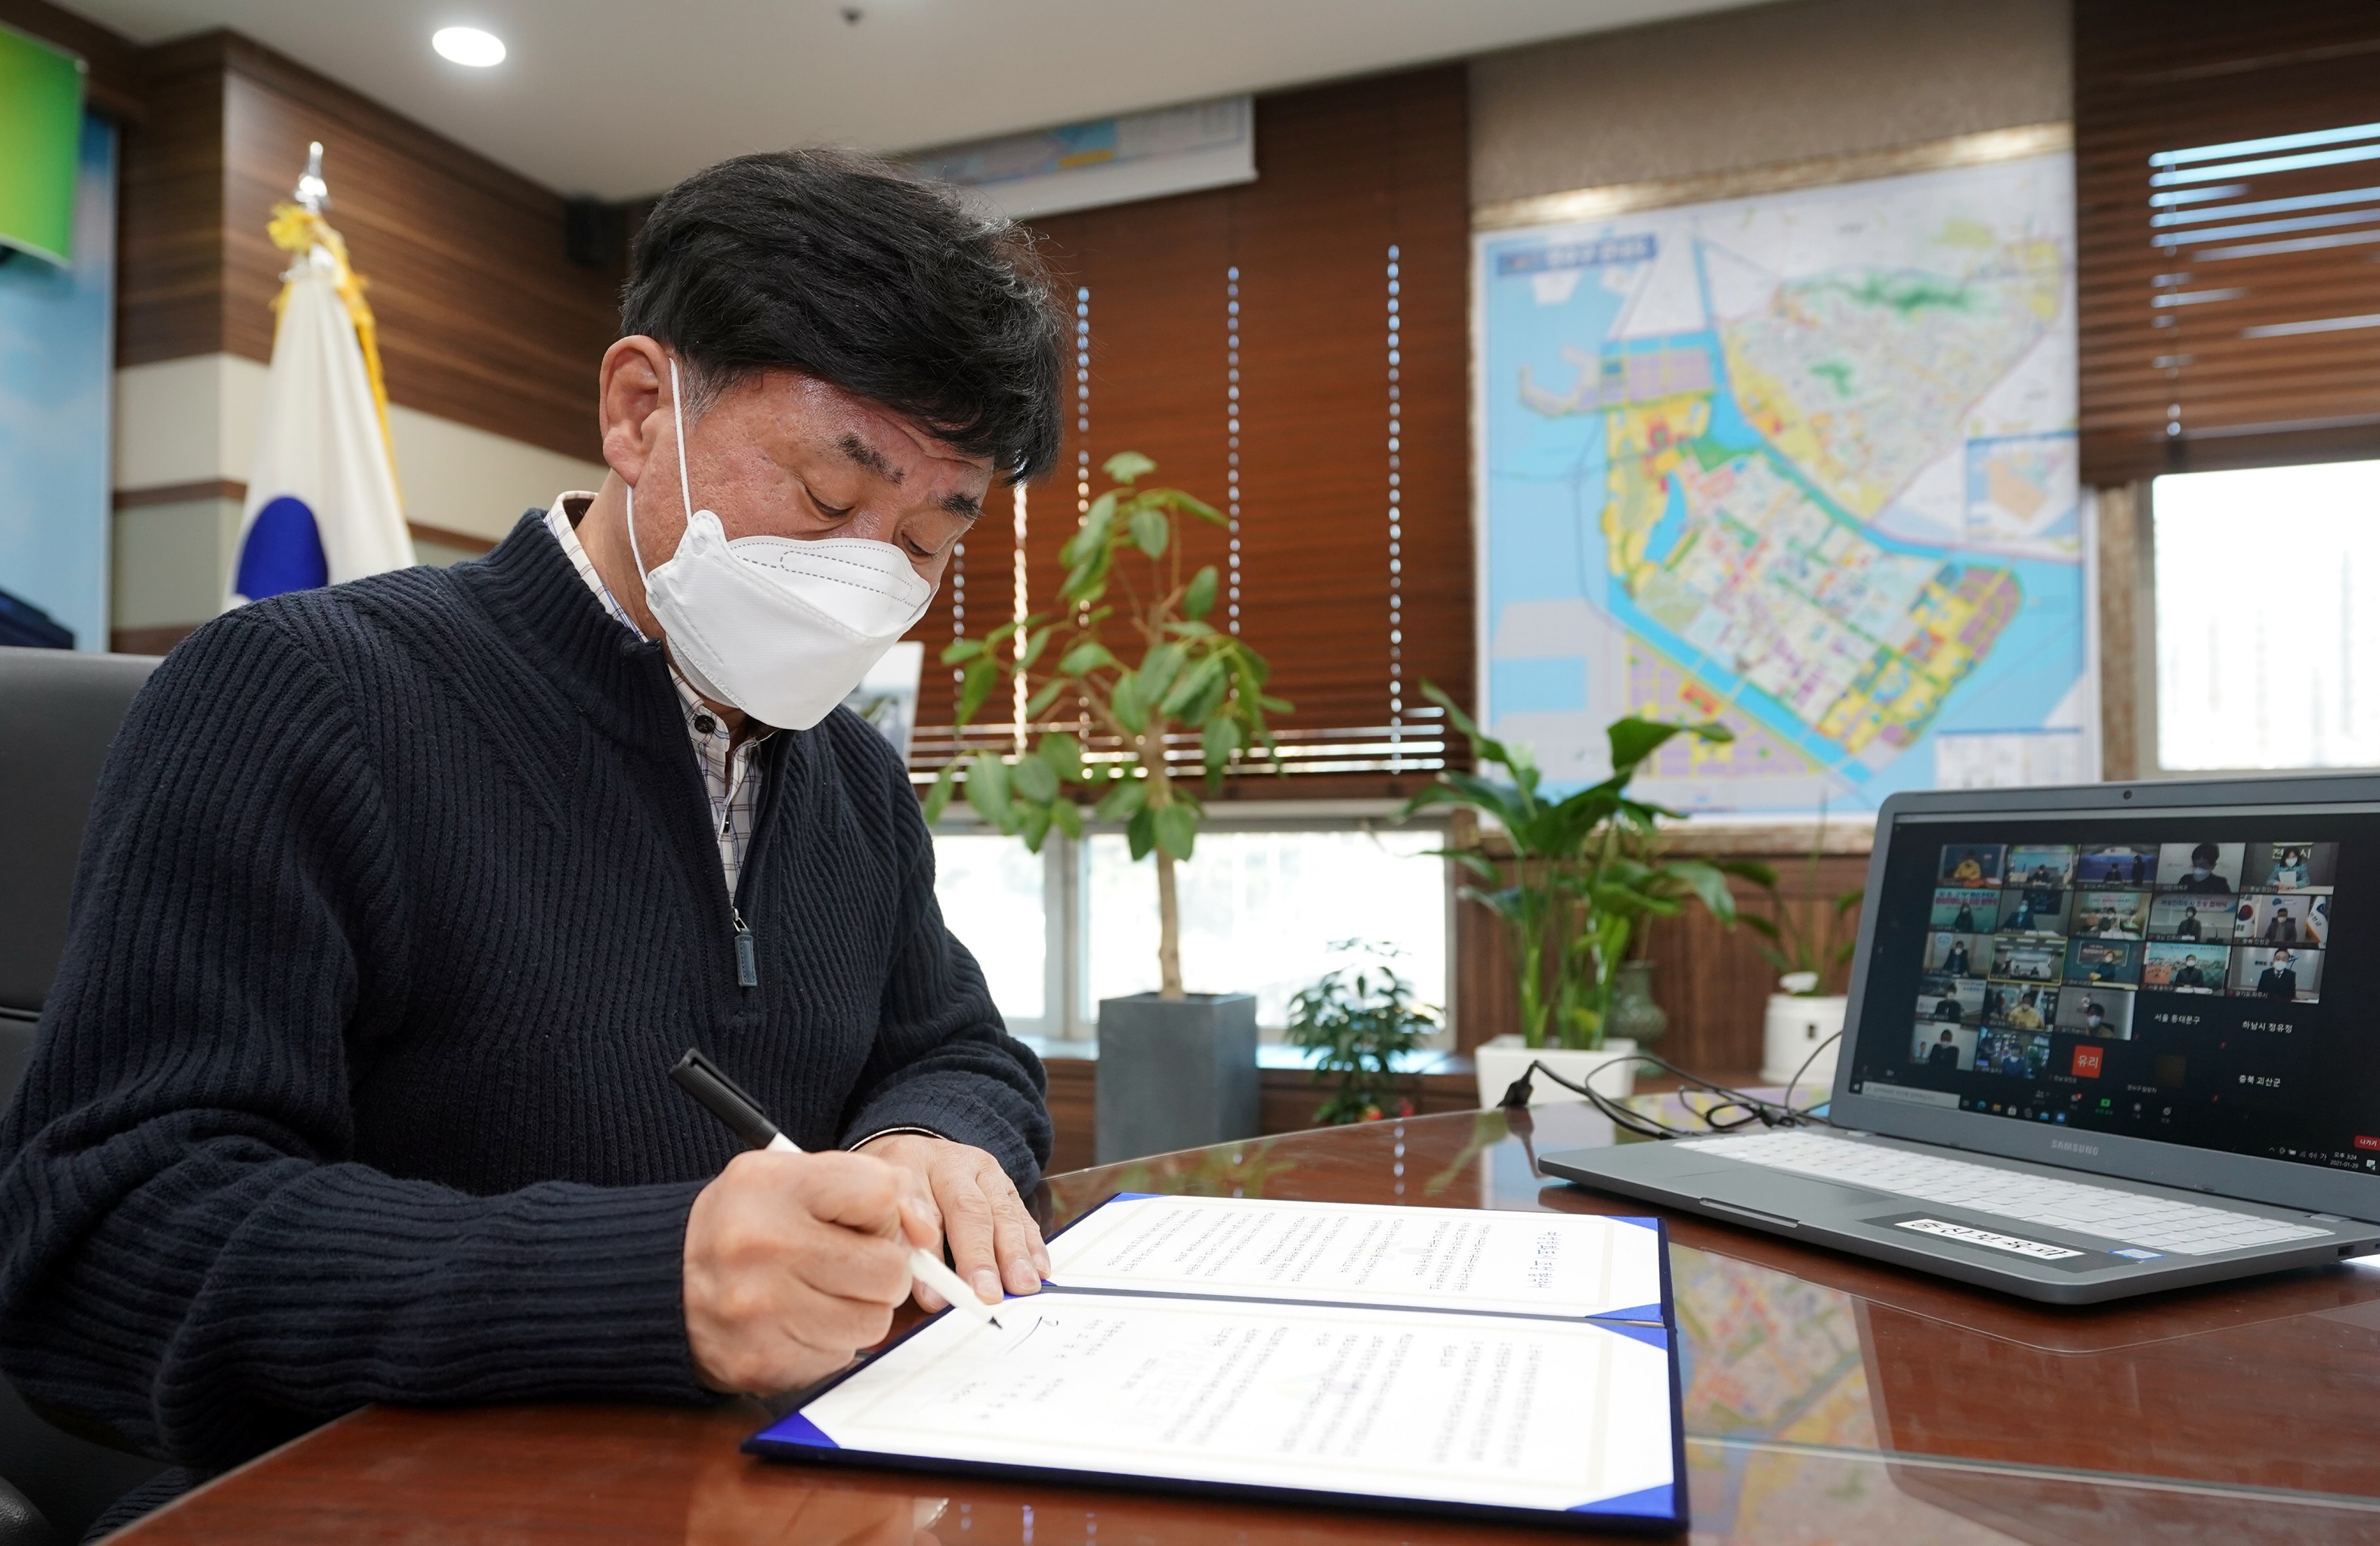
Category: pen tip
[995,1322]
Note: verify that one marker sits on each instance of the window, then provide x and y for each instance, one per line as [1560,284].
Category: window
[2267,647]
[1261,907]
[992,893]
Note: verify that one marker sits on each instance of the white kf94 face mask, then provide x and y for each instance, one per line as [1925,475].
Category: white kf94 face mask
[780,628]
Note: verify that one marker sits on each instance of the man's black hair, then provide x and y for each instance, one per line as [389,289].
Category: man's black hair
[849,270]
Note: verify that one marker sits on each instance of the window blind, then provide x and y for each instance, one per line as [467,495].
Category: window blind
[2228,177]
[1292,351]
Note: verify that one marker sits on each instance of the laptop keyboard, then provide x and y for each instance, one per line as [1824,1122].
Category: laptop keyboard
[2132,1218]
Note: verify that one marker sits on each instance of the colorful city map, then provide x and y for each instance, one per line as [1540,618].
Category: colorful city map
[1803,463]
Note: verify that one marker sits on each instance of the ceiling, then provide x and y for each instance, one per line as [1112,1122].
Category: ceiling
[622,97]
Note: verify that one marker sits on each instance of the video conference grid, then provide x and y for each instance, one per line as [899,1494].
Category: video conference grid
[2028,940]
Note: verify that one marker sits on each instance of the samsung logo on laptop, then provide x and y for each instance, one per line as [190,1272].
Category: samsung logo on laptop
[2076,1148]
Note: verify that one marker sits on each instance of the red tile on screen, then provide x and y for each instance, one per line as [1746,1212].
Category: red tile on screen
[2366,1140]
[2088,1061]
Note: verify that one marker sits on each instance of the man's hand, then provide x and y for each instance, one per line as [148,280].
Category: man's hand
[971,1201]
[792,1262]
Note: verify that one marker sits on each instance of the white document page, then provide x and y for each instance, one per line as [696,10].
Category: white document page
[1566,1264]
[1425,1404]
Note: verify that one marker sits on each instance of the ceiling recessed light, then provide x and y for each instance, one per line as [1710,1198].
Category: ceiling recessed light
[468,45]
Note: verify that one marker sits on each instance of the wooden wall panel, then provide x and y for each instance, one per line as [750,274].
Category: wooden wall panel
[169,294]
[482,319]
[1344,172]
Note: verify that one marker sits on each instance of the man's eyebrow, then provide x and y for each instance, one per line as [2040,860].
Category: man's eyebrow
[964,506]
[869,458]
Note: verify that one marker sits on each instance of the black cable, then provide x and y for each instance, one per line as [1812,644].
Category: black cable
[1767,1113]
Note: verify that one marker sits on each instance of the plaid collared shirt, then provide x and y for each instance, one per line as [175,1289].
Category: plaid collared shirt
[728,775]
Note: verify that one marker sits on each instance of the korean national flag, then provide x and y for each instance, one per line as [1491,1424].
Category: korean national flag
[322,496]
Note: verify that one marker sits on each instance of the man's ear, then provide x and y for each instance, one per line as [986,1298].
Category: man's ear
[632,398]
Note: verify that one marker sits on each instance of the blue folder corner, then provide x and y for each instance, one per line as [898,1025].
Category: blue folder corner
[1659,1503]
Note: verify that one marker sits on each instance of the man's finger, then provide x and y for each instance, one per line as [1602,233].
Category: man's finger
[1015,1238]
[854,1191]
[967,1225]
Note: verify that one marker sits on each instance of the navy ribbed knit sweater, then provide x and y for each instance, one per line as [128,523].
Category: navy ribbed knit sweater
[398,902]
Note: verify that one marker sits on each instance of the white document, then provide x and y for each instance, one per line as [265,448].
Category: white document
[1560,1265]
[1507,1411]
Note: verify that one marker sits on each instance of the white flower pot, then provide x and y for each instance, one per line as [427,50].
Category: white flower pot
[1794,1027]
[1611,1066]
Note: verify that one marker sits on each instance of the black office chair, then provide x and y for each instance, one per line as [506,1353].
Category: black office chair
[58,711]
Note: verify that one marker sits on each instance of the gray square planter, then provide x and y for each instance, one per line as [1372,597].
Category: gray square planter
[1176,1075]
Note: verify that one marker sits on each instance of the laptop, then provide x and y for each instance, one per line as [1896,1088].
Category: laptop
[2101,1041]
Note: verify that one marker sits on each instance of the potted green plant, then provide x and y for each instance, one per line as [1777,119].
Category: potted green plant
[1586,873]
[1358,1020]
[1152,696]
[1810,938]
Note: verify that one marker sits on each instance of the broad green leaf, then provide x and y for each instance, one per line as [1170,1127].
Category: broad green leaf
[1064,754]
[987,788]
[1150,530]
[1038,705]
[1199,598]
[1190,505]
[1157,669]
[1131,709]
[1706,882]
[1127,467]
[938,798]
[1036,824]
[1141,834]
[1196,683]
[1035,643]
[1218,741]
[982,676]
[1068,817]
[1177,830]
[1034,780]
[1124,799]
[1094,532]
[1089,655]
[1192,630]
[961,649]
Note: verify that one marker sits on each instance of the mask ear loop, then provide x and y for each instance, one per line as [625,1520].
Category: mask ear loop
[684,489]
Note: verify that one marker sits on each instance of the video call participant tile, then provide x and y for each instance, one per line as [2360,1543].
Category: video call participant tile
[2111,915]
[1965,909]
[2049,866]
[1951,1000]
[2186,916]
[2204,869]
[2112,961]
[1939,1045]
[2296,918]
[1959,955]
[2029,958]
[2185,966]
[2015,1055]
[2278,975]
[2033,910]
[1974,864]
[2020,1008]
[2115,865]
[2105,1014]
[2290,866]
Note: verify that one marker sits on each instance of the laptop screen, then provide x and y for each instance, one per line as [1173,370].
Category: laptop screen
[2195,980]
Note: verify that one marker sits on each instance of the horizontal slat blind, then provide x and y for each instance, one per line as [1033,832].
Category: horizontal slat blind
[2228,162]
[1353,563]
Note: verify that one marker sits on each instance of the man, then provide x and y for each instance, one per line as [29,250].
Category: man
[2187,928]
[1947,1008]
[401,898]
[2282,929]
[2279,979]
[2188,977]
[1958,962]
[2201,877]
[2026,1015]
[1943,1054]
